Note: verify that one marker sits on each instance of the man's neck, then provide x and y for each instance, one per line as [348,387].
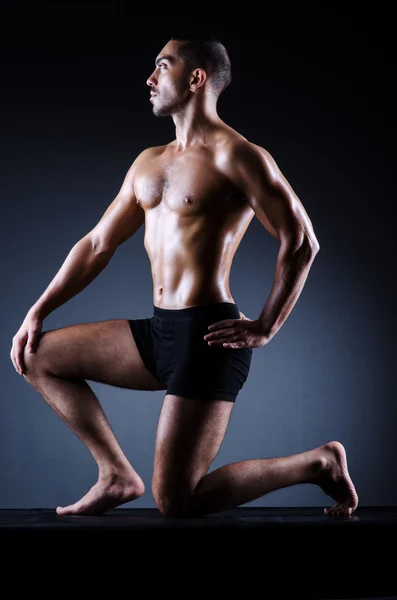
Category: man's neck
[193,127]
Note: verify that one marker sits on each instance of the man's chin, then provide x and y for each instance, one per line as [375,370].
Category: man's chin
[160,113]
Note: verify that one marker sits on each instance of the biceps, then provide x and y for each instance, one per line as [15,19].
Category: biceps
[119,222]
[281,212]
[273,199]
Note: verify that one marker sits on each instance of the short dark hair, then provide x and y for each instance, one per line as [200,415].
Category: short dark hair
[207,52]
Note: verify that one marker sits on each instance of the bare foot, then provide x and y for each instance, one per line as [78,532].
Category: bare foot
[106,494]
[334,480]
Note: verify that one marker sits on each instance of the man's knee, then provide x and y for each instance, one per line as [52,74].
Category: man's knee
[172,501]
[34,361]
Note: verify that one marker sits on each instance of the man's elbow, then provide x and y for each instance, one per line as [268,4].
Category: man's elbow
[307,249]
[313,245]
[304,245]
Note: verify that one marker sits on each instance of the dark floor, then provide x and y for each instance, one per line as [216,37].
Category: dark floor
[266,552]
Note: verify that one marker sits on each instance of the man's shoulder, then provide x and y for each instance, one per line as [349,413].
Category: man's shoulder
[239,146]
[145,157]
[150,152]
[238,150]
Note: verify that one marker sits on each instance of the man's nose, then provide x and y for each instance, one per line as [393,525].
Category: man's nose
[150,80]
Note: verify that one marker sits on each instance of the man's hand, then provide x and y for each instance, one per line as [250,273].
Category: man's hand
[27,335]
[237,333]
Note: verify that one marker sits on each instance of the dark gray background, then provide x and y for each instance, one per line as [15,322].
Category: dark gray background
[311,89]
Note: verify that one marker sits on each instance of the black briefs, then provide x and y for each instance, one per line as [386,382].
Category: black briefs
[172,346]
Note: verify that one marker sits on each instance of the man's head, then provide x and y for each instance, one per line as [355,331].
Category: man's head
[185,66]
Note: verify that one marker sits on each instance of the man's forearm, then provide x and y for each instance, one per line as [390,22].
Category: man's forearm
[291,274]
[81,266]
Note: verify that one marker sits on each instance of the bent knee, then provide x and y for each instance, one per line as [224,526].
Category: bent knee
[173,507]
[35,361]
[173,503]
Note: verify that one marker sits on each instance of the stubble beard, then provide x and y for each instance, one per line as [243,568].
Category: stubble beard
[167,109]
[163,110]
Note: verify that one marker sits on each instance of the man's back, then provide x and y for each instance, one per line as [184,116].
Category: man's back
[195,218]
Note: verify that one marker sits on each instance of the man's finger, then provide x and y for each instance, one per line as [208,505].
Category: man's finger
[218,334]
[235,345]
[221,324]
[222,339]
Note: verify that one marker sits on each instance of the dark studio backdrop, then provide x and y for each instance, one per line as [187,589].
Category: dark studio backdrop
[75,113]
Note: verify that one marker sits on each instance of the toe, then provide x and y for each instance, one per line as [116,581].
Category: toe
[63,510]
[344,510]
[330,510]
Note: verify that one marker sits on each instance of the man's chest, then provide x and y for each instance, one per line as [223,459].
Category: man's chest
[188,185]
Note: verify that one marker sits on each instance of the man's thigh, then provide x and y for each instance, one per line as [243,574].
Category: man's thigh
[102,351]
[189,434]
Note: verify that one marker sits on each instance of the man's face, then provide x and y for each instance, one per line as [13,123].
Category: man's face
[169,82]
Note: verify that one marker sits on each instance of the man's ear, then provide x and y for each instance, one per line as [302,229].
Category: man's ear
[198,79]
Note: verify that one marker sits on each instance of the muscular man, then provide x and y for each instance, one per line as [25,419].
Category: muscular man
[196,197]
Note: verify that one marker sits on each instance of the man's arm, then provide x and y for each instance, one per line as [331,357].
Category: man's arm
[121,220]
[90,255]
[256,174]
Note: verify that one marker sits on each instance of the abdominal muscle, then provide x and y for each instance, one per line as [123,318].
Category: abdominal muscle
[191,256]
[186,287]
